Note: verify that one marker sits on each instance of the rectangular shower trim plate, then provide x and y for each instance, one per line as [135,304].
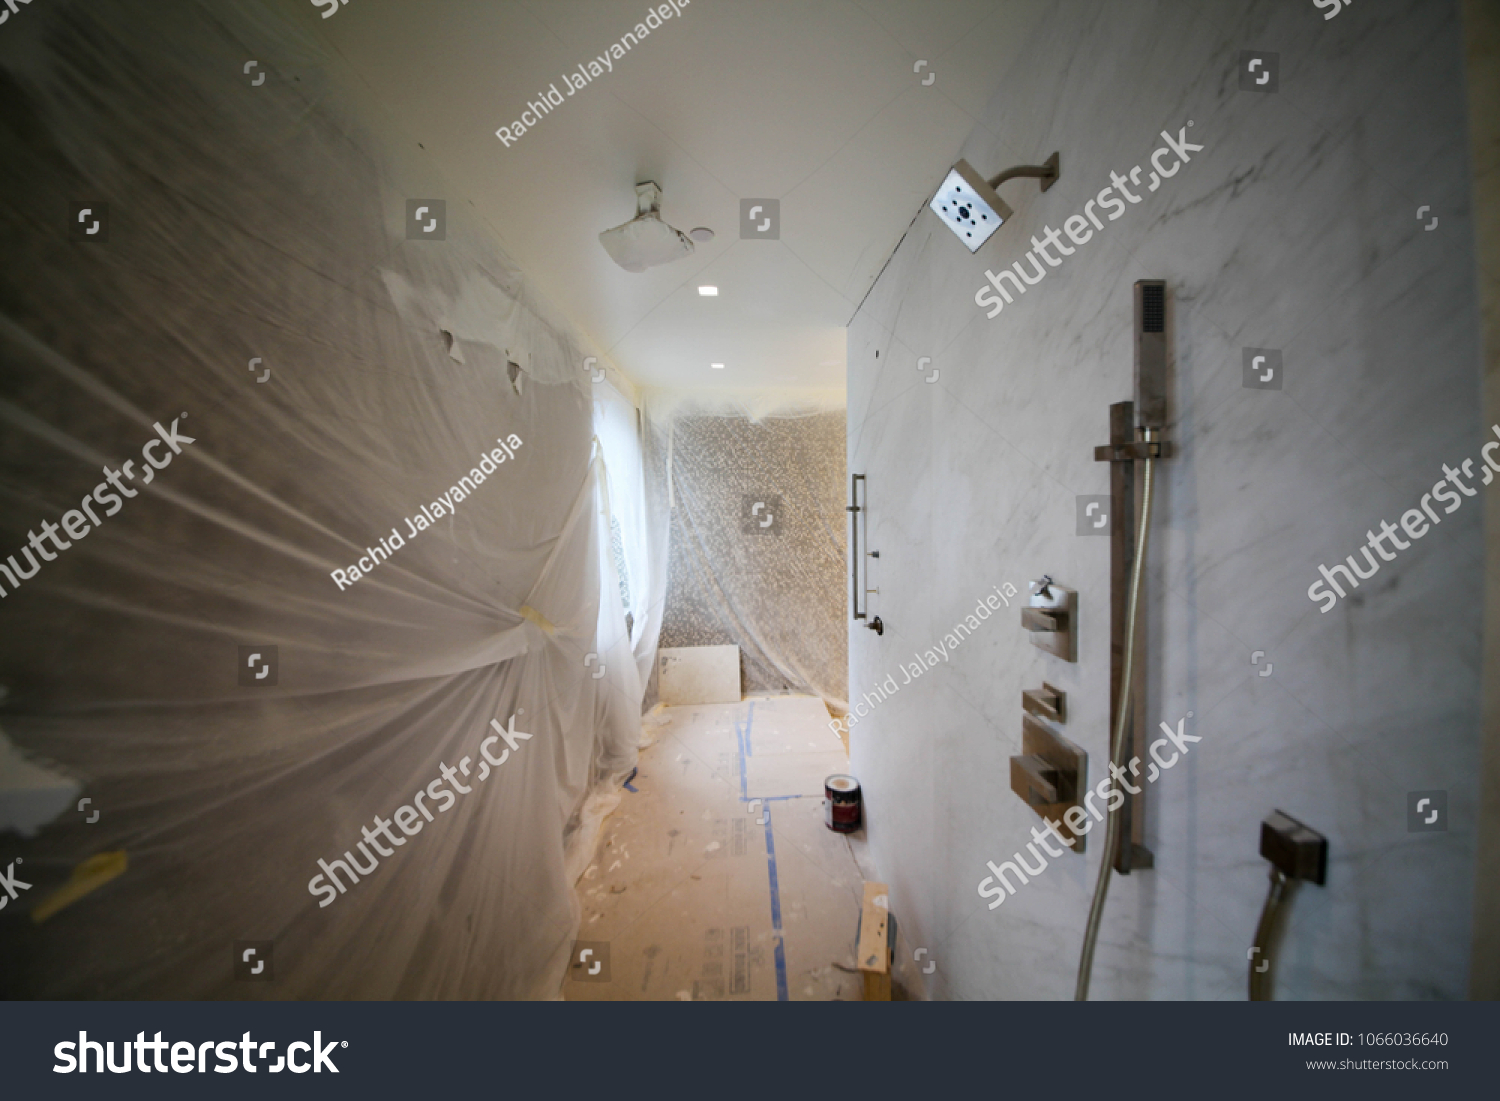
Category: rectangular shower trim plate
[1062,768]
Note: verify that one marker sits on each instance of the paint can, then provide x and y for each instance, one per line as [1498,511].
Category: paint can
[841,803]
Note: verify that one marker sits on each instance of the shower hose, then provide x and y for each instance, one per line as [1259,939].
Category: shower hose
[1117,740]
[1270,920]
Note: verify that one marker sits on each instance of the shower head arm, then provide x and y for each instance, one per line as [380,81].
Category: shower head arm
[1048,172]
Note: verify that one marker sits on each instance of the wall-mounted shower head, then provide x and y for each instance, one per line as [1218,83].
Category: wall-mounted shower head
[968,204]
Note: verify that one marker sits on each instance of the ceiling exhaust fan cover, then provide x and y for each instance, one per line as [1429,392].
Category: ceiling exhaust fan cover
[645,241]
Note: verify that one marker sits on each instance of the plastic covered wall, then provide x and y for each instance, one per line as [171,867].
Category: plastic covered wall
[342,607]
[638,539]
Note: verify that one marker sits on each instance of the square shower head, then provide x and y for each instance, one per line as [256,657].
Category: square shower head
[969,206]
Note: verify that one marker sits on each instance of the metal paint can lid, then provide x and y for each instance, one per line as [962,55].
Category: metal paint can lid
[841,788]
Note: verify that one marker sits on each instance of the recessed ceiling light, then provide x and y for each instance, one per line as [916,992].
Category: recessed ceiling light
[709,292]
[702,234]
[717,366]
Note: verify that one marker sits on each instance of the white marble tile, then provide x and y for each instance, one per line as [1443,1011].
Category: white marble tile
[1294,229]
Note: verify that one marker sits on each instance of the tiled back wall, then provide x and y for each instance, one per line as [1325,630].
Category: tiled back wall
[1294,229]
[781,592]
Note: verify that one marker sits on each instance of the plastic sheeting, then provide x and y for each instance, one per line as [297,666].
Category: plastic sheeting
[254,227]
[773,579]
[642,534]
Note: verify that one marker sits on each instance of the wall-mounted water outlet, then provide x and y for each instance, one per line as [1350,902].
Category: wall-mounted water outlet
[1050,617]
[1298,854]
[968,206]
[1298,851]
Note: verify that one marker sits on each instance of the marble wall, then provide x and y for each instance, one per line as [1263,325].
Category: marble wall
[1295,228]
[1482,66]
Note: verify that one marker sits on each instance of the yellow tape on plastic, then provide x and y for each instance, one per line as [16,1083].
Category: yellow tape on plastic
[536,617]
[93,873]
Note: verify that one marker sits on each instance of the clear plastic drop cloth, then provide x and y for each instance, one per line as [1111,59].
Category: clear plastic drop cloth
[639,536]
[752,488]
[321,586]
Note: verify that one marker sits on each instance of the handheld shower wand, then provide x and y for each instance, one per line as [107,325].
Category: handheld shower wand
[1298,854]
[1150,409]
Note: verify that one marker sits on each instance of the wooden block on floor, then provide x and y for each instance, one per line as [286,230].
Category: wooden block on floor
[875,951]
[699,674]
[877,987]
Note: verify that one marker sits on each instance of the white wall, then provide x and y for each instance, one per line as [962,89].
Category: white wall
[1296,229]
[1482,66]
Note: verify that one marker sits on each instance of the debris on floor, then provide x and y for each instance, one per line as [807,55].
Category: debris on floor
[736,891]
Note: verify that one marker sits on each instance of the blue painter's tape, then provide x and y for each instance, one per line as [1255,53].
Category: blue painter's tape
[781,992]
[742,735]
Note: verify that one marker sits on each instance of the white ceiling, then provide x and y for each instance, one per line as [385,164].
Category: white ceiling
[812,102]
